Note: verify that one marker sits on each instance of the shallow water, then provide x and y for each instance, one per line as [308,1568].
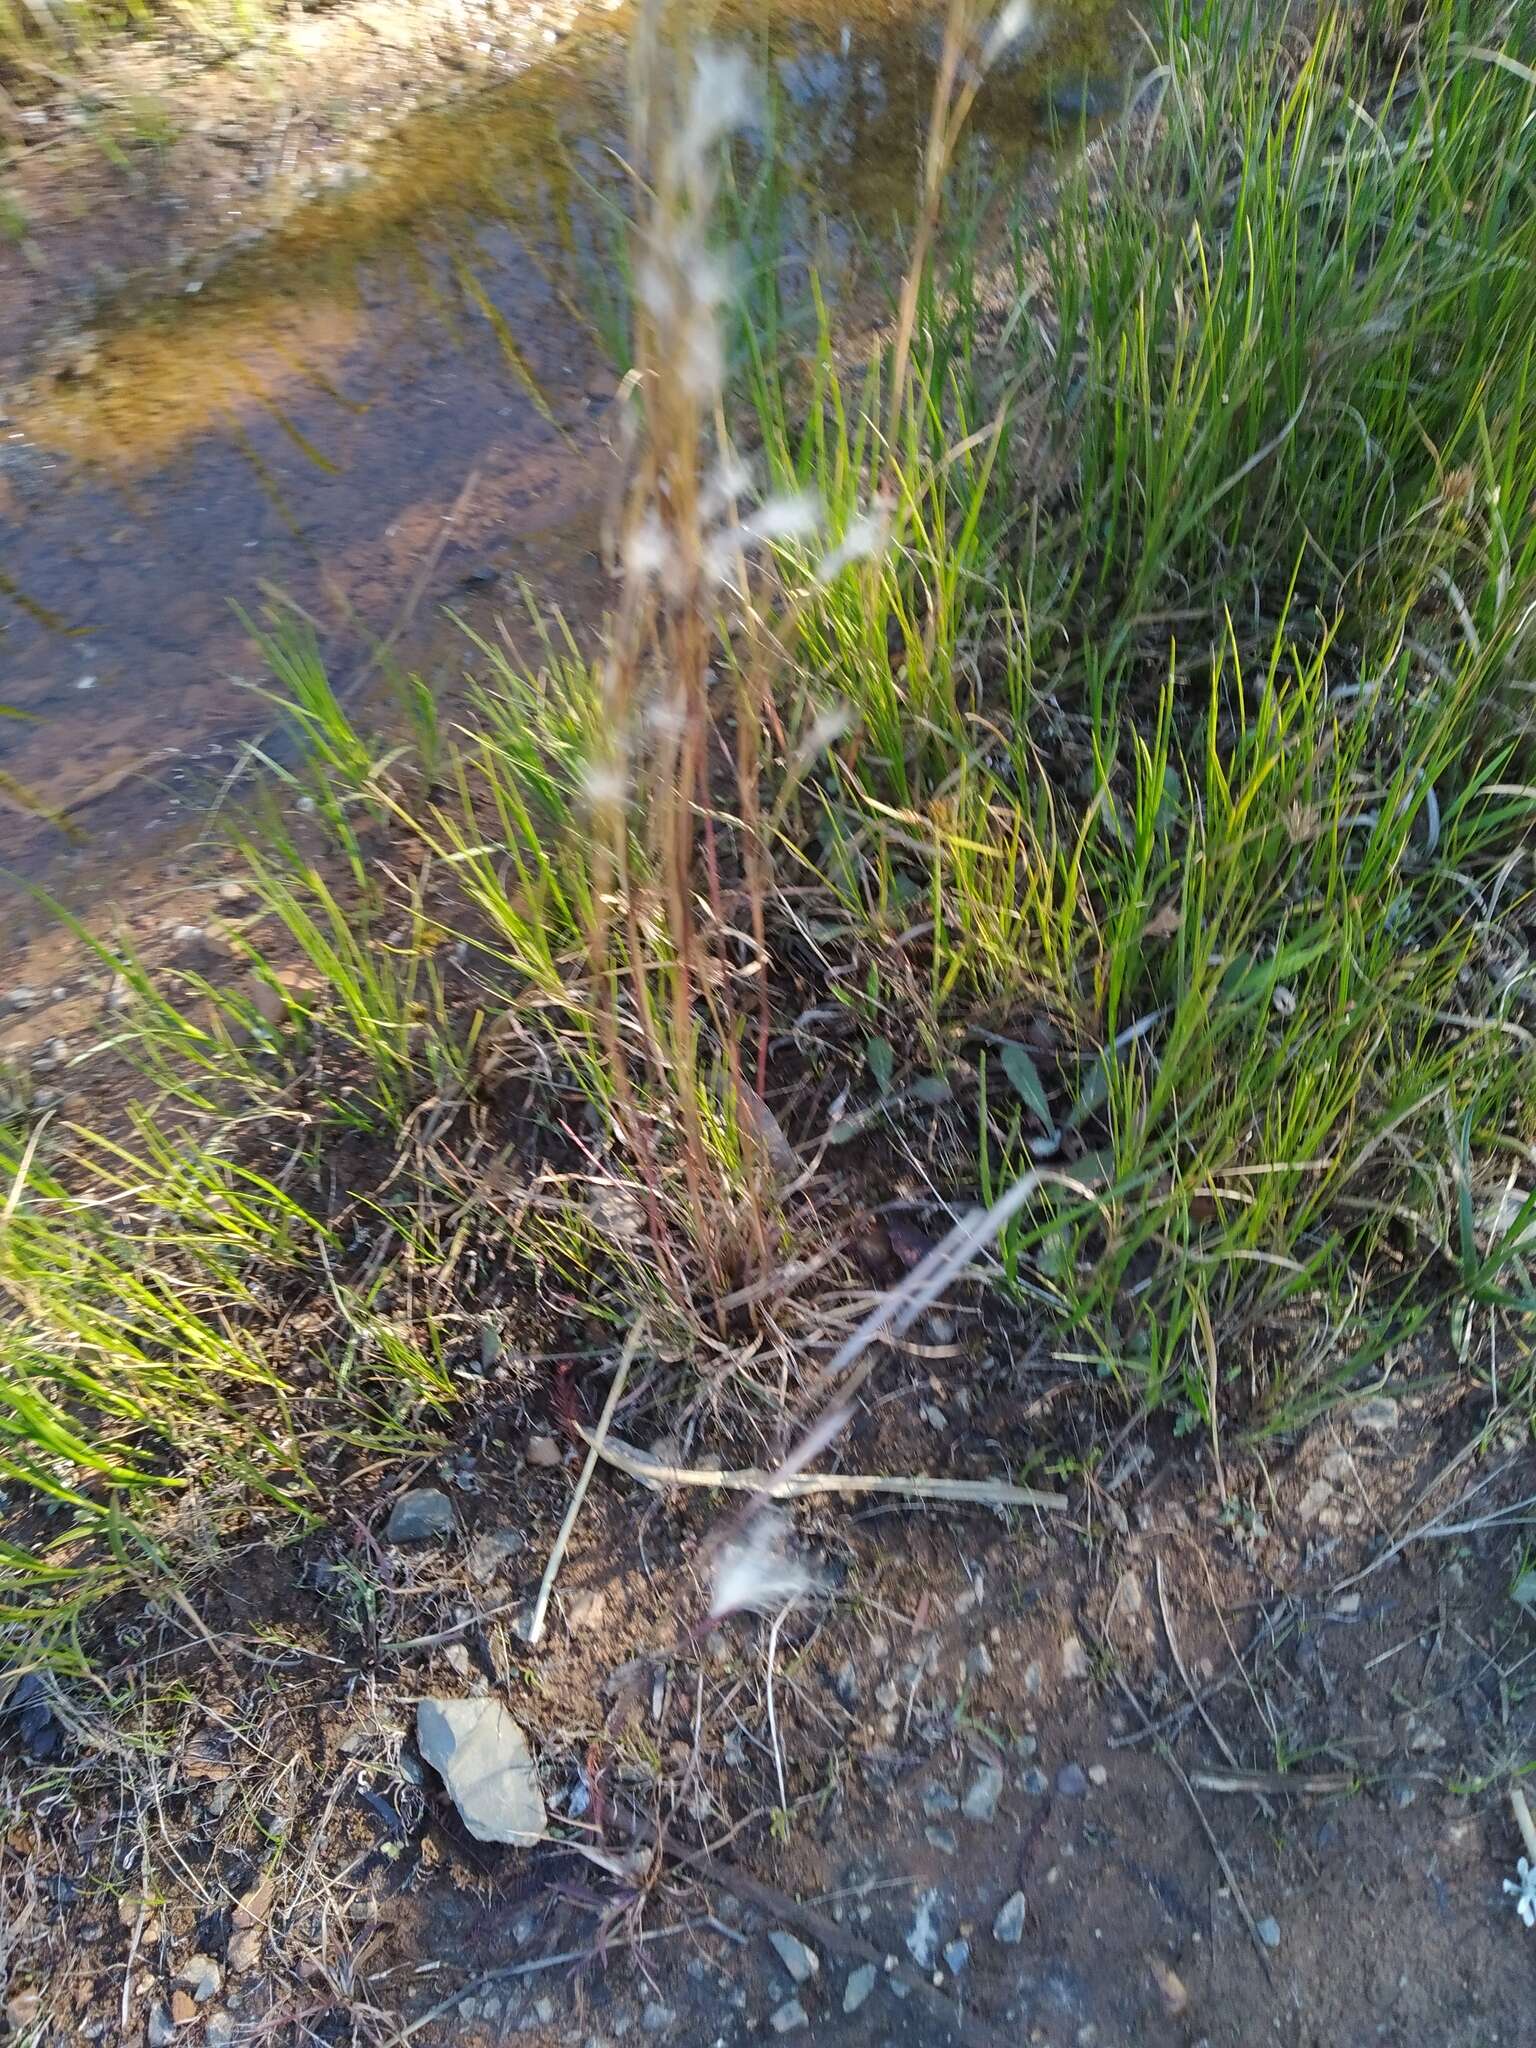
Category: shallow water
[429,342]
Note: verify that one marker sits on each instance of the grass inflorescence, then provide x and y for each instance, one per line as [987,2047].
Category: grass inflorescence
[1084,736]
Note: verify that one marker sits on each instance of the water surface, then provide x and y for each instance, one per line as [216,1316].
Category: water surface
[433,343]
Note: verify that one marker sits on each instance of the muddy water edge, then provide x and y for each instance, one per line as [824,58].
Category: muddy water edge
[388,413]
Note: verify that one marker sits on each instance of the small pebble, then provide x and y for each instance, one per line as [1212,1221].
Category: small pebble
[938,1799]
[244,1951]
[203,1977]
[1008,1927]
[860,1984]
[956,1955]
[1097,1774]
[801,1962]
[658,2018]
[923,1934]
[790,2017]
[420,1516]
[1071,1782]
[942,1839]
[980,1802]
[1268,1931]
[1035,1782]
[1074,1659]
[1171,1988]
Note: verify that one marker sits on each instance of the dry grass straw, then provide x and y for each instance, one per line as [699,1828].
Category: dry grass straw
[702,702]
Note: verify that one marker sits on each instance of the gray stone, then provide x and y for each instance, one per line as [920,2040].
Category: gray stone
[1074,1659]
[161,2030]
[942,1839]
[790,2017]
[483,1759]
[219,2029]
[1008,1927]
[860,1984]
[544,2011]
[846,1683]
[491,1550]
[956,1955]
[939,1800]
[658,2018]
[203,1977]
[1318,1496]
[1268,1931]
[923,1934]
[1071,1782]
[1035,1782]
[1034,1676]
[801,1962]
[420,1516]
[978,1664]
[986,1788]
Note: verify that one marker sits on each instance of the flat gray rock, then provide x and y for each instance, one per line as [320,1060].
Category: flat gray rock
[420,1516]
[986,1788]
[860,1984]
[790,2017]
[923,1934]
[801,1962]
[1008,1927]
[483,1759]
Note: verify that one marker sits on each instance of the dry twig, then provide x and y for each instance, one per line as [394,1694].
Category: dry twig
[797,1485]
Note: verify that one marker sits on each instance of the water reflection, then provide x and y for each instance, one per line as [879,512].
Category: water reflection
[308,418]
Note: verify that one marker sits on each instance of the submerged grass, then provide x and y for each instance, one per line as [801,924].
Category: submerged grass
[1098,725]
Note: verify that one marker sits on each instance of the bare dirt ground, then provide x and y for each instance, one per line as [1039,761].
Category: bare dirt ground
[1177,1766]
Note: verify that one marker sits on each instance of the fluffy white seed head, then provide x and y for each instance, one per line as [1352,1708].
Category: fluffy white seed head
[722,99]
[790,516]
[1015,19]
[648,553]
[863,537]
[757,1573]
[603,785]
